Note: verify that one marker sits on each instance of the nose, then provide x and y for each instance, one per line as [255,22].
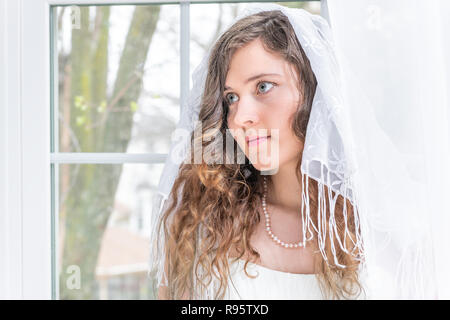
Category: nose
[247,112]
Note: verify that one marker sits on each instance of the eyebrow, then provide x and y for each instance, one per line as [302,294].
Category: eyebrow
[256,77]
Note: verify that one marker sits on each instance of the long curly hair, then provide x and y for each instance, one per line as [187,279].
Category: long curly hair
[215,206]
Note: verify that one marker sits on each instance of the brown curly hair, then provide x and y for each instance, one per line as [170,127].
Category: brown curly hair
[215,206]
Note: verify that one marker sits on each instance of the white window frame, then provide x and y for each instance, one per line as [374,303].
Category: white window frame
[25,183]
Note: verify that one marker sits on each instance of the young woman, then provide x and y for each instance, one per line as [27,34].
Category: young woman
[282,212]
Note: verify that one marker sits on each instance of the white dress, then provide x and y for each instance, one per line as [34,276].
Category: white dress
[270,284]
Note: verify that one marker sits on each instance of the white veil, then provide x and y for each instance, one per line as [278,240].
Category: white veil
[396,63]
[346,150]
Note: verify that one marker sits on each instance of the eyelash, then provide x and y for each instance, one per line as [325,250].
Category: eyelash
[257,85]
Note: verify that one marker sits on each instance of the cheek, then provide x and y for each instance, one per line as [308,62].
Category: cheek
[290,144]
[236,133]
[290,148]
[230,120]
[282,119]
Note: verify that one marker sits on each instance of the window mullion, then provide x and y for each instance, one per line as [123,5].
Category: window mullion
[107,158]
[184,50]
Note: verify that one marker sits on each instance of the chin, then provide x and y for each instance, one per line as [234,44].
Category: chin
[268,164]
[266,168]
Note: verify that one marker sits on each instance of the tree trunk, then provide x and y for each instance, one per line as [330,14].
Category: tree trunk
[91,201]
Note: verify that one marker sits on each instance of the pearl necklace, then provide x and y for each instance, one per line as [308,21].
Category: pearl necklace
[269,230]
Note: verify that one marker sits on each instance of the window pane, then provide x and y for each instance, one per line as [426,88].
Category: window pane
[118,77]
[118,91]
[208,21]
[103,230]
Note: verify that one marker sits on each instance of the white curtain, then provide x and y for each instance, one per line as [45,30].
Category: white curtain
[395,57]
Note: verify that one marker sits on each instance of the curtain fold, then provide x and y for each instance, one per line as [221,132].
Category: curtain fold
[395,62]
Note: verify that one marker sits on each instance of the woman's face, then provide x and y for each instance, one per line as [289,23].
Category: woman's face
[262,97]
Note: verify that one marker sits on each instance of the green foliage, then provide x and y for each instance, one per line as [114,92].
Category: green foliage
[133,106]
[79,101]
[80,120]
[102,107]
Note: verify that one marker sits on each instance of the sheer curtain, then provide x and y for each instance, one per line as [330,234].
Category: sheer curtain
[395,61]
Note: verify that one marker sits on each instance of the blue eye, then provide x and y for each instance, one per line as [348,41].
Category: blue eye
[265,86]
[227,98]
[262,88]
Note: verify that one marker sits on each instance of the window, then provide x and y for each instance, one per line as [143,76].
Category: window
[88,144]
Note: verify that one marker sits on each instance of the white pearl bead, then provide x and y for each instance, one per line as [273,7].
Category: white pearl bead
[269,231]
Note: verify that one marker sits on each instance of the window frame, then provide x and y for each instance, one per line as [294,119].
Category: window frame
[29,165]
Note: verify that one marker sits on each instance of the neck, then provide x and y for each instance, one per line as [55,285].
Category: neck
[284,189]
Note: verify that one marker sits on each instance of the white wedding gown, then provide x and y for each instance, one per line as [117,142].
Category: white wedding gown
[270,284]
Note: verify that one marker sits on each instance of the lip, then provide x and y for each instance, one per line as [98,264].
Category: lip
[250,138]
[254,141]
